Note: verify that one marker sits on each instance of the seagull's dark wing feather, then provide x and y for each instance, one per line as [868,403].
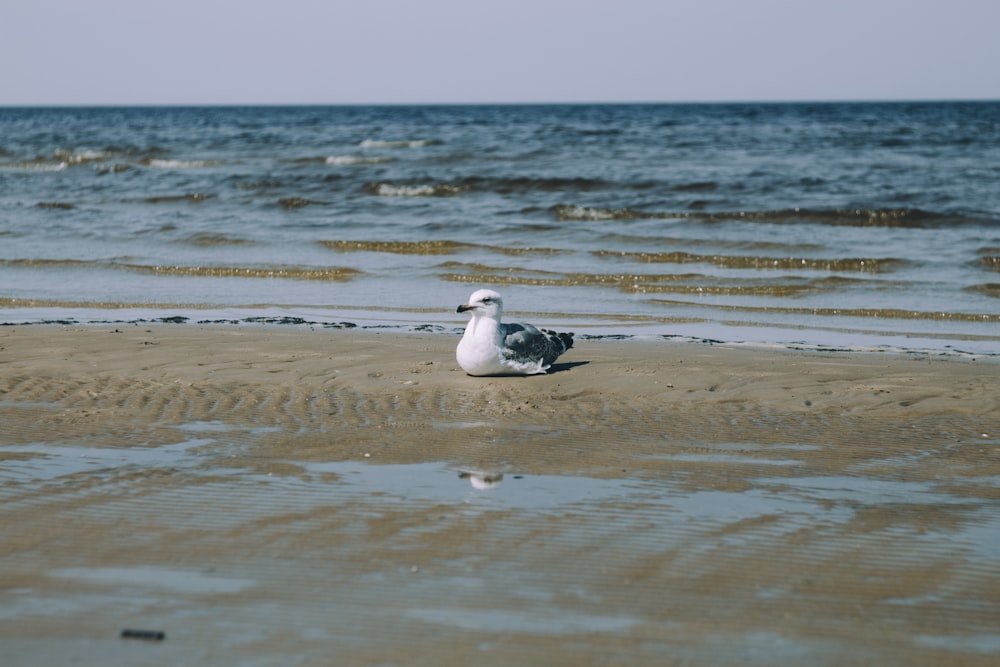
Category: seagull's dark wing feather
[526,343]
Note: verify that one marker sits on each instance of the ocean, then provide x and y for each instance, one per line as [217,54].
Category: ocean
[833,225]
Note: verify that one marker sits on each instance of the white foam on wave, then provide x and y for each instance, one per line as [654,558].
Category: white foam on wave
[408,143]
[181,164]
[63,158]
[82,156]
[586,213]
[35,166]
[354,159]
[390,190]
[386,190]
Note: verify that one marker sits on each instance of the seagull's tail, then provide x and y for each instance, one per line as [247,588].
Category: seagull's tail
[559,339]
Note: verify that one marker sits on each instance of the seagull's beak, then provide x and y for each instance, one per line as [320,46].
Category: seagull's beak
[464,307]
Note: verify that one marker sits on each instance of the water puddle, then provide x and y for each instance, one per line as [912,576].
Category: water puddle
[737,453]
[43,462]
[630,501]
[499,552]
[543,622]
[434,483]
[733,459]
[983,644]
[222,427]
[856,490]
[175,581]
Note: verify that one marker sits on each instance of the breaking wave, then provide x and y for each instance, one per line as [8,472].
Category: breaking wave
[40,165]
[656,283]
[180,164]
[191,198]
[354,159]
[432,190]
[339,274]
[403,143]
[503,186]
[430,247]
[860,217]
[867,265]
[890,313]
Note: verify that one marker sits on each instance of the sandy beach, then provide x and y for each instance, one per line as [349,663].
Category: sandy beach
[276,495]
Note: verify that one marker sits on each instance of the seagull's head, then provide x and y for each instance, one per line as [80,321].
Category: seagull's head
[483,303]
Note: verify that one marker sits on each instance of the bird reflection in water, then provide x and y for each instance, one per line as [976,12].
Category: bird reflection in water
[482,480]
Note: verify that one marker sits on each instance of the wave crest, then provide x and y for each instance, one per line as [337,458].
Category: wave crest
[158,163]
[866,265]
[354,159]
[335,273]
[400,143]
[877,313]
[430,190]
[438,247]
[857,217]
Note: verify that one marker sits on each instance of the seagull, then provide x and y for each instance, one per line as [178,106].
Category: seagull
[489,347]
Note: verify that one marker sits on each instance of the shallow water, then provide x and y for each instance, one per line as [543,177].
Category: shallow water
[813,223]
[360,533]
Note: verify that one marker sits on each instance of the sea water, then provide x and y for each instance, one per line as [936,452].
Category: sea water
[848,224]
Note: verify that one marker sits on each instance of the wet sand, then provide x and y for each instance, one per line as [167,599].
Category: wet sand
[289,496]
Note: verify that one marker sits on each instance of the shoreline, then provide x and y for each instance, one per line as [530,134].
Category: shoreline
[276,492]
[731,335]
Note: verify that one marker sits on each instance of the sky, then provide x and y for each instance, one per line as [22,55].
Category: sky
[79,52]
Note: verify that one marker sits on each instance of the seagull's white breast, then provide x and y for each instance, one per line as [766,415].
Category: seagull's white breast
[478,352]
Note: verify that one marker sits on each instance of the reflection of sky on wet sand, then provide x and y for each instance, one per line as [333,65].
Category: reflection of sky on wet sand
[497,550]
[789,502]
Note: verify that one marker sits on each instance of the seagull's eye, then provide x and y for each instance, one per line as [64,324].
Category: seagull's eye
[487,300]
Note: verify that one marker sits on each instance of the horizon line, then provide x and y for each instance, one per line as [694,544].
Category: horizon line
[901,100]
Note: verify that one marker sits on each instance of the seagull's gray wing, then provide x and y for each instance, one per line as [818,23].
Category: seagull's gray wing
[526,343]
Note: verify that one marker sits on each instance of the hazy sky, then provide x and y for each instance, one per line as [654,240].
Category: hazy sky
[398,51]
